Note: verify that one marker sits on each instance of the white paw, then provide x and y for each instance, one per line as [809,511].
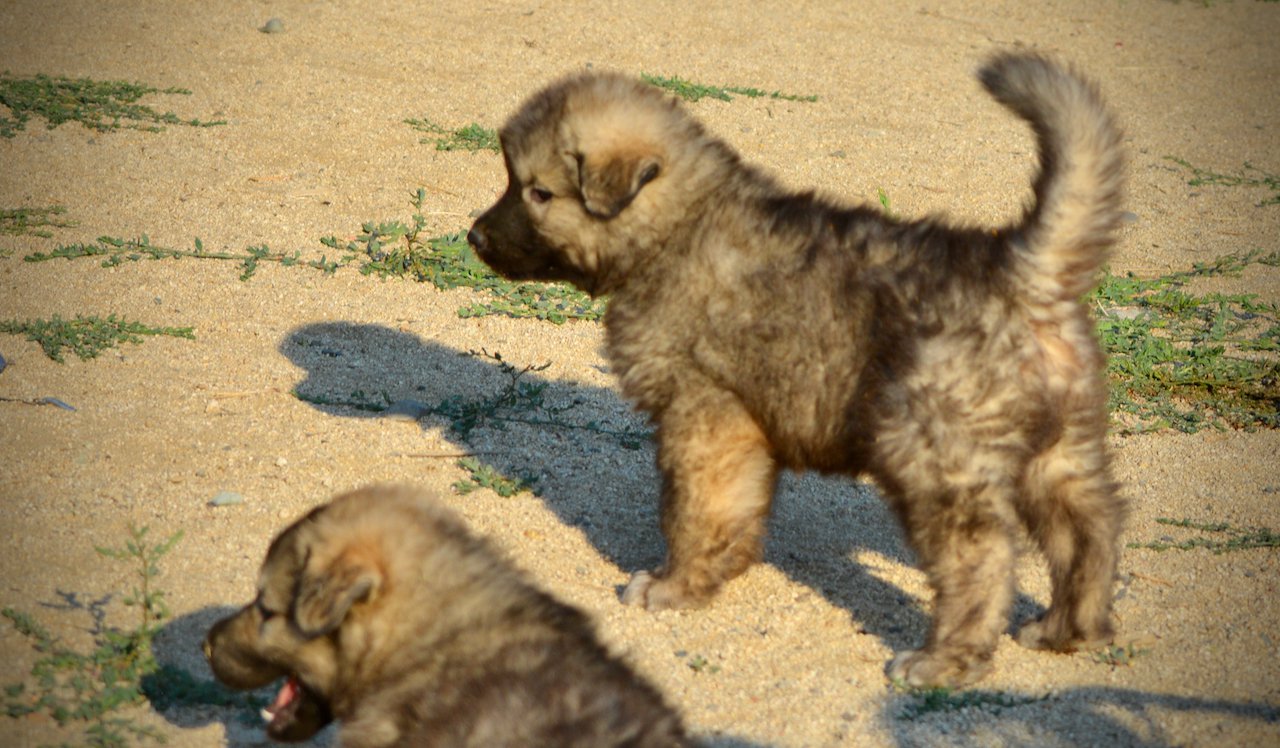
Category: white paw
[637,590]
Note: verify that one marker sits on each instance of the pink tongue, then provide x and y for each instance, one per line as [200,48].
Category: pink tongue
[288,692]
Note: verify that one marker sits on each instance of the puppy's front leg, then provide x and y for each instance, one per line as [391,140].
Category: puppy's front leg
[718,484]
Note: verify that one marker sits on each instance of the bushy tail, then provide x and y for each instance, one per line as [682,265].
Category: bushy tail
[1065,235]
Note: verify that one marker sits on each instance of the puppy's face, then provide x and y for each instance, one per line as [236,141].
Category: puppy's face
[307,590]
[590,182]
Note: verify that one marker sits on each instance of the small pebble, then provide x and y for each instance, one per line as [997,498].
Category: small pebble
[226,498]
[273,26]
[406,410]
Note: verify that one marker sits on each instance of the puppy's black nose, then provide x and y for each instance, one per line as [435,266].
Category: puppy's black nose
[476,239]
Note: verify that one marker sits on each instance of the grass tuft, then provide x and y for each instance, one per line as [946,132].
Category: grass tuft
[86,336]
[1118,655]
[1218,537]
[32,221]
[119,251]
[1185,361]
[104,106]
[482,475]
[690,91]
[1249,176]
[470,137]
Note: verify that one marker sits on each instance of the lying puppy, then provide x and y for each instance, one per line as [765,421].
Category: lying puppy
[380,610]
[762,328]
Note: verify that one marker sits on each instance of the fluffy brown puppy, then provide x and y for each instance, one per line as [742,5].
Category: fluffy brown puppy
[762,328]
[380,610]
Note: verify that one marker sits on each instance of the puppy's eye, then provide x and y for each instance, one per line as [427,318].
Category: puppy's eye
[540,195]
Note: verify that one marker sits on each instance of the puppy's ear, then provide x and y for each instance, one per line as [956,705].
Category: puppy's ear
[326,592]
[610,178]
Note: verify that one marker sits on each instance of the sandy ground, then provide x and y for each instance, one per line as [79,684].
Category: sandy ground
[793,653]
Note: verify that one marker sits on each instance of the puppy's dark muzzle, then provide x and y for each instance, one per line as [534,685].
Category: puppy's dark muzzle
[231,649]
[478,241]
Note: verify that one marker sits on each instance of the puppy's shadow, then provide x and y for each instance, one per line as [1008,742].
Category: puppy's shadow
[590,458]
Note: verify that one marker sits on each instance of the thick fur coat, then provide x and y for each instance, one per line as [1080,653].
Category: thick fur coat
[762,328]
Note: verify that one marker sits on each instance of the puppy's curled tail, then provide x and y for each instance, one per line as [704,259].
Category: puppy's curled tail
[1063,239]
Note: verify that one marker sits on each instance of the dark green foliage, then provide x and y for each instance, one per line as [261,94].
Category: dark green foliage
[103,106]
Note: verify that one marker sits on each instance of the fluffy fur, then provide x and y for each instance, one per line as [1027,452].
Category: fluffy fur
[381,611]
[762,328]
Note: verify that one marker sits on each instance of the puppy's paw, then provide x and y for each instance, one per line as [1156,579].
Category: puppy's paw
[656,593]
[1053,635]
[1037,635]
[637,590]
[921,669]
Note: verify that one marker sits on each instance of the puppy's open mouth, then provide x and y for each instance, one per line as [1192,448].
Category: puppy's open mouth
[297,712]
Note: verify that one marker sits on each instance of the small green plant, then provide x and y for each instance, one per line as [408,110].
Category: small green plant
[932,700]
[32,221]
[483,475]
[700,664]
[1249,176]
[1219,537]
[86,336]
[509,405]
[119,251]
[1118,655]
[884,203]
[1185,361]
[470,137]
[690,91]
[149,602]
[72,686]
[103,106]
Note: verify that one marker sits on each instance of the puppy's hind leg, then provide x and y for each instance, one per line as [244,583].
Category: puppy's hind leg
[718,484]
[1072,509]
[966,547]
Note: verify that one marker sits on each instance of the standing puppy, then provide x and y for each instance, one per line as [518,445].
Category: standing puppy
[762,328]
[380,610]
